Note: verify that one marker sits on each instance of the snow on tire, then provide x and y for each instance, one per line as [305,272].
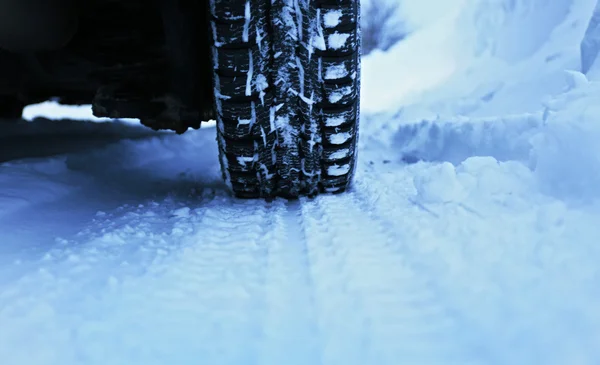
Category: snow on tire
[286,83]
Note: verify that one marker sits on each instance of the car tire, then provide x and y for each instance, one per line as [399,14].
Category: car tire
[287,95]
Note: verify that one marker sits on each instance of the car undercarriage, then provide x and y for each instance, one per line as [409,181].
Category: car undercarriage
[129,59]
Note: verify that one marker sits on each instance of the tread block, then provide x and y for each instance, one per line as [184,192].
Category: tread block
[249,127]
[237,61]
[239,34]
[244,86]
[287,95]
[339,93]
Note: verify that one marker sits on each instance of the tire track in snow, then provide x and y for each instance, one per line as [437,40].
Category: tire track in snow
[62,305]
[406,223]
[372,308]
[290,327]
[520,288]
[195,294]
[213,294]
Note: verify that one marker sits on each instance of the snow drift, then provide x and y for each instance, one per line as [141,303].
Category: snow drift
[480,59]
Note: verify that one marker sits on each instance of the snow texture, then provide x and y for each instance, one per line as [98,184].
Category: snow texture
[332,18]
[337,40]
[340,138]
[470,235]
[336,72]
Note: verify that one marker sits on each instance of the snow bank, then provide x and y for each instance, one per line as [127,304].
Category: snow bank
[514,31]
[566,152]
[520,50]
[420,62]
[454,140]
[482,58]
[558,146]
[499,80]
[423,13]
[476,179]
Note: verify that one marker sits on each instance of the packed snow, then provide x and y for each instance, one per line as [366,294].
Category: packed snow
[470,235]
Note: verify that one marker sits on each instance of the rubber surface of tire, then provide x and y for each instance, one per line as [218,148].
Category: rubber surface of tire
[287,89]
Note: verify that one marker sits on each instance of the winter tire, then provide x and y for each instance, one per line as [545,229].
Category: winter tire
[287,89]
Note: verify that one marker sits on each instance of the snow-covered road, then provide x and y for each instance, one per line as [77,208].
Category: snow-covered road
[135,253]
